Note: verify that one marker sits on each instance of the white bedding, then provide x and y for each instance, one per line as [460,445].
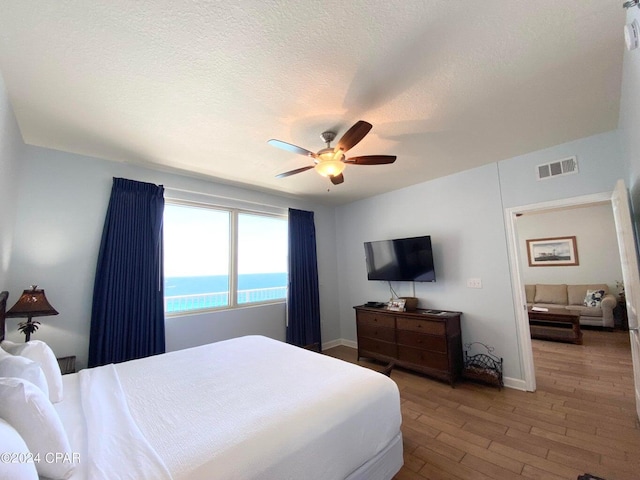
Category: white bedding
[247,408]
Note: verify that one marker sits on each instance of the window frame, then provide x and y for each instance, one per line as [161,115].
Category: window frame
[234,213]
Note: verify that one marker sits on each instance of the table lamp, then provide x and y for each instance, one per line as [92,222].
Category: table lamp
[32,303]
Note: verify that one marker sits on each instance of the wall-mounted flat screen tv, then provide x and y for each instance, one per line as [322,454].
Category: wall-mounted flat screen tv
[402,259]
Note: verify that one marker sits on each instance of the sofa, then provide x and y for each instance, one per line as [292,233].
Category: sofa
[597,310]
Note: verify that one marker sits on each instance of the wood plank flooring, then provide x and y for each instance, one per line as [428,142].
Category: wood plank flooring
[581,418]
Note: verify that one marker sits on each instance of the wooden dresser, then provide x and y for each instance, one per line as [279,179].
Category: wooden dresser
[426,342]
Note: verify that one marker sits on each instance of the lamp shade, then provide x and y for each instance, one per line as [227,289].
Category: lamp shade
[32,303]
[329,163]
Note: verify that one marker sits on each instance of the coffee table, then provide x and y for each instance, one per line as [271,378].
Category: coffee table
[555,324]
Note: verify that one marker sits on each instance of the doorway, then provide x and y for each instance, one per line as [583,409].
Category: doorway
[514,250]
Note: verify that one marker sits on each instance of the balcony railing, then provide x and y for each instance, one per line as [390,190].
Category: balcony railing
[184,303]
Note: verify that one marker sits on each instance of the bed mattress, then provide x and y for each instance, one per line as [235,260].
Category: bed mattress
[247,408]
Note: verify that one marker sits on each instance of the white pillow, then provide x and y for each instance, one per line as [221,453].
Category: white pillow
[593,298]
[22,367]
[19,463]
[40,352]
[31,413]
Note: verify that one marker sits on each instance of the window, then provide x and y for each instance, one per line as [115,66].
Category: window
[262,258]
[221,258]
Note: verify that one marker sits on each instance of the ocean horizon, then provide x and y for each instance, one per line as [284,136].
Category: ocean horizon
[196,285]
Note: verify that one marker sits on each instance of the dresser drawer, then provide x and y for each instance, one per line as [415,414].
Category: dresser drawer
[422,326]
[433,343]
[438,361]
[370,318]
[374,331]
[376,346]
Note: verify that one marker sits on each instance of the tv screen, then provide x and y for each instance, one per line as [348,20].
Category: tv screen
[402,259]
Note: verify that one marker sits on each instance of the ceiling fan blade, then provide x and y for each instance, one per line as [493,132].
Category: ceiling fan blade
[291,148]
[356,133]
[337,179]
[371,160]
[293,172]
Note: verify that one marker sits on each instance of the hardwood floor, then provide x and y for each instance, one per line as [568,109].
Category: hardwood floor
[581,418]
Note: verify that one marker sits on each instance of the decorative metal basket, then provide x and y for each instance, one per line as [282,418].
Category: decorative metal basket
[482,367]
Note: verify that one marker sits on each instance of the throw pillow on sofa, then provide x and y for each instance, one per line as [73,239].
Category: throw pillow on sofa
[593,298]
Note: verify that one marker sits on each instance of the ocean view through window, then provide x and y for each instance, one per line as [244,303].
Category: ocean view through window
[262,258]
[221,258]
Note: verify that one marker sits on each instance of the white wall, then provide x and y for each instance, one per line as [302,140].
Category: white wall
[600,165]
[630,117]
[464,215]
[11,152]
[597,245]
[60,213]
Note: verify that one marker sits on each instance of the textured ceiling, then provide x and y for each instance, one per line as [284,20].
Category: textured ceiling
[200,86]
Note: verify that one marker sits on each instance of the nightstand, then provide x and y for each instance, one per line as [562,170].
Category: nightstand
[67,364]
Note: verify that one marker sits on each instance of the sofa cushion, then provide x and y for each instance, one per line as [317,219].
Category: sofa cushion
[554,294]
[577,293]
[530,292]
[585,311]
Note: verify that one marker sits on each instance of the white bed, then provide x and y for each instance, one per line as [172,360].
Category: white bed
[247,408]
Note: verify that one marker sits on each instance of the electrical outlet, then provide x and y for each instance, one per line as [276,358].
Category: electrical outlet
[474,283]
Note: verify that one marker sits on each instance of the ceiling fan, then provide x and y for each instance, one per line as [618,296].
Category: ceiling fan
[330,162]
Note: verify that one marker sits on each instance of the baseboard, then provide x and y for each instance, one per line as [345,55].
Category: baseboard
[339,342]
[331,344]
[350,343]
[514,383]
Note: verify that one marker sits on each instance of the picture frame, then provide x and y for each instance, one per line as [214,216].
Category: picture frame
[396,305]
[552,252]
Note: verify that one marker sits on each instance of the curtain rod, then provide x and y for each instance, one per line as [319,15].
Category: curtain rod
[223,197]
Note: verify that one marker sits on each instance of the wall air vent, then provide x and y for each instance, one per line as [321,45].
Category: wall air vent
[565,166]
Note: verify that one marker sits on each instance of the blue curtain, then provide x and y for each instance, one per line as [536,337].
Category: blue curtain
[127,317]
[303,303]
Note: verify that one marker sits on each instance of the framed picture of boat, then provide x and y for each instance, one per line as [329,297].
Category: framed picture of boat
[552,252]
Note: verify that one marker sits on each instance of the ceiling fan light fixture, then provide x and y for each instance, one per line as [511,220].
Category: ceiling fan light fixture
[329,164]
[329,168]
